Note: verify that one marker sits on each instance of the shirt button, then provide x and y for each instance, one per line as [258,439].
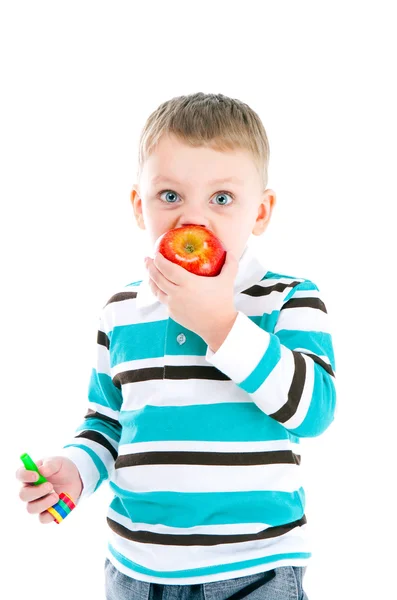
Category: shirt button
[181,339]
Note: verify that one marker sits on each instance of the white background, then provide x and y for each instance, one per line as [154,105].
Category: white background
[78,81]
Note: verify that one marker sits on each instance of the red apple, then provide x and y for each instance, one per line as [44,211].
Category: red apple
[193,247]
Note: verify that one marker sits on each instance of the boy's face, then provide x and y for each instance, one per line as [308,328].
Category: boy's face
[232,210]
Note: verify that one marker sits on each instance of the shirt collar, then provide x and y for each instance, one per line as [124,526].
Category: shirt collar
[250,271]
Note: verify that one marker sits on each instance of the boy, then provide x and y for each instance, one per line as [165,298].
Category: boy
[203,386]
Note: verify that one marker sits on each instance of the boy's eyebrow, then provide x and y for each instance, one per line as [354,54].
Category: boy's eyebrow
[232,179]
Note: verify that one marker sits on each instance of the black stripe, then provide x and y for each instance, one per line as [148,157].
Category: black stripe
[96,415]
[120,296]
[103,339]
[198,539]
[295,390]
[135,375]
[235,459]
[259,290]
[194,372]
[321,362]
[97,437]
[170,372]
[305,303]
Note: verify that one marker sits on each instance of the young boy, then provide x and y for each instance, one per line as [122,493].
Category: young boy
[203,386]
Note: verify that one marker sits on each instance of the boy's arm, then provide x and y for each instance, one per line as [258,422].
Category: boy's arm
[289,374]
[95,444]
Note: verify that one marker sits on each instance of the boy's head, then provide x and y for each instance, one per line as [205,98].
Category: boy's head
[187,144]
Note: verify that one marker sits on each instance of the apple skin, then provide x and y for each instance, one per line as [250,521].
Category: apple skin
[193,247]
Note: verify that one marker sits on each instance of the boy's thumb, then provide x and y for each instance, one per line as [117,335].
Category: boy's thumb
[49,466]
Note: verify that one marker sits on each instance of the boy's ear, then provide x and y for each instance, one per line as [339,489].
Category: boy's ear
[264,212]
[136,202]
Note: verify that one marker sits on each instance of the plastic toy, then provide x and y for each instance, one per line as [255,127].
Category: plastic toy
[65,504]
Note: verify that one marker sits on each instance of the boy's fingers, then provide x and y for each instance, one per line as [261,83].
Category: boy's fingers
[38,506]
[26,476]
[29,492]
[45,518]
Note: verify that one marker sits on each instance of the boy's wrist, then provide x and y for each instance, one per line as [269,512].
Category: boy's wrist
[218,333]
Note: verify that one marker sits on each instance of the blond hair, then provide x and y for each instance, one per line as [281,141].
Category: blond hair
[213,120]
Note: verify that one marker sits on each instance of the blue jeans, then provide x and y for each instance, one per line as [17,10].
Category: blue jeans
[283,583]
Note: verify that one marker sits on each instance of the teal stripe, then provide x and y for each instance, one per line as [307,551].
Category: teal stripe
[103,473]
[154,339]
[267,363]
[245,564]
[322,406]
[102,390]
[318,342]
[96,424]
[224,422]
[273,275]
[267,321]
[187,509]
[137,341]
[306,285]
[135,283]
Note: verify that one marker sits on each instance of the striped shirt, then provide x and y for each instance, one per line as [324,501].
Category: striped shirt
[202,449]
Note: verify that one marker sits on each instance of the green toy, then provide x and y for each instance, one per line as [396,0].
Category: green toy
[30,465]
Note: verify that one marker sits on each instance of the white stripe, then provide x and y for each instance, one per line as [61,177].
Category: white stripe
[127,314]
[223,529]
[143,363]
[177,360]
[181,392]
[322,356]
[102,360]
[209,478]
[104,410]
[273,393]
[303,319]
[306,294]
[224,576]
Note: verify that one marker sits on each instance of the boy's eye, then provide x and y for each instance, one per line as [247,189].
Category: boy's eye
[172,197]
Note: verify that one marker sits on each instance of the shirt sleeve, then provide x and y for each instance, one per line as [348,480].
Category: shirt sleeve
[94,447]
[290,373]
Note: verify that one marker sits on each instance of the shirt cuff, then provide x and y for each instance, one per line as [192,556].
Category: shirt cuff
[242,349]
[88,472]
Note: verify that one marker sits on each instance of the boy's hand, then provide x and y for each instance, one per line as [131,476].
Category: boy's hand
[201,304]
[62,475]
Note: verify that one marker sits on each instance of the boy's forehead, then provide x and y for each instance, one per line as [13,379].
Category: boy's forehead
[166,179]
[184,162]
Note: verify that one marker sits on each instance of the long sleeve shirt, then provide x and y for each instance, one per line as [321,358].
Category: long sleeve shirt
[202,449]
